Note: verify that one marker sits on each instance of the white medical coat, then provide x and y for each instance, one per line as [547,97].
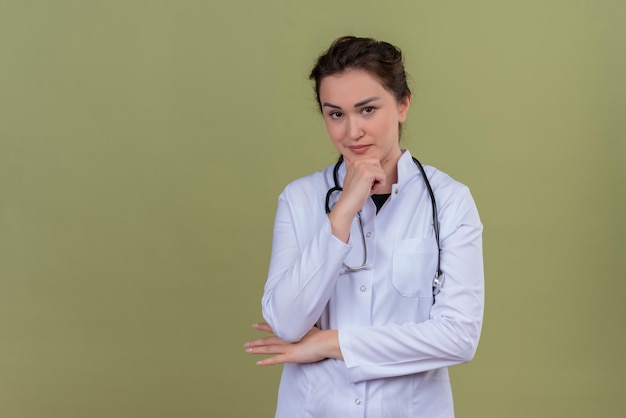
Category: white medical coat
[395,342]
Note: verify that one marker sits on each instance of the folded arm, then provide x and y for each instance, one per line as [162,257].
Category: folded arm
[302,275]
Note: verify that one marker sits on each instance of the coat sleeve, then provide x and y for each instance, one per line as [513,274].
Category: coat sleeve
[305,262]
[450,336]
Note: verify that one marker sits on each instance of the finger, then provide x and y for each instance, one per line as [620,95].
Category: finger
[262,326]
[267,349]
[259,342]
[368,170]
[379,183]
[352,164]
[271,361]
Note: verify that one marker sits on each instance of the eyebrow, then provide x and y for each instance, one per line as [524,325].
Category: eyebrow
[361,103]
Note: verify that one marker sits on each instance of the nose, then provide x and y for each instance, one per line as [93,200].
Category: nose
[355,130]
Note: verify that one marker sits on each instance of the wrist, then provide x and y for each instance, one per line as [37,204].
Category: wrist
[340,222]
[331,348]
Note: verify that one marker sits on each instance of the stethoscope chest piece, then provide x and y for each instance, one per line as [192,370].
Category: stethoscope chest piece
[438,281]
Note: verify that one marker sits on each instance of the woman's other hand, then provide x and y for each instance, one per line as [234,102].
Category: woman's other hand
[316,345]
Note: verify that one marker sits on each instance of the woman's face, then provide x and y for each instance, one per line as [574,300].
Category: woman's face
[362,117]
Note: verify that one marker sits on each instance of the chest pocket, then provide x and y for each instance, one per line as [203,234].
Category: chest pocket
[414,265]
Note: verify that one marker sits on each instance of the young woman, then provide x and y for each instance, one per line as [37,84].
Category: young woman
[369,296]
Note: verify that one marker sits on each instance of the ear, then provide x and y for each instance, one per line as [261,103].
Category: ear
[403,108]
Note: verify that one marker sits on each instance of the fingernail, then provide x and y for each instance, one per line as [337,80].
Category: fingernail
[246,344]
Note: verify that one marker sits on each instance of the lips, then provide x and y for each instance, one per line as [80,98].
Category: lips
[359,149]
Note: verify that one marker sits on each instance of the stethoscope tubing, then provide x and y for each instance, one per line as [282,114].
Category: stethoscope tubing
[439,277]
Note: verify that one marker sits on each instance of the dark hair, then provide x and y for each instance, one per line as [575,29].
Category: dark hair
[380,59]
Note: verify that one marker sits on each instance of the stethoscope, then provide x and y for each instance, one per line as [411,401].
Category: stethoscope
[439,276]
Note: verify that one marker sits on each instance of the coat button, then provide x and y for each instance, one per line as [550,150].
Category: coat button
[357,401]
[363,288]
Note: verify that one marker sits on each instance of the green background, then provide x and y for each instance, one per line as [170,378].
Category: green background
[143,145]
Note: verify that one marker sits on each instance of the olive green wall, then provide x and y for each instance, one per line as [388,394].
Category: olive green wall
[143,145]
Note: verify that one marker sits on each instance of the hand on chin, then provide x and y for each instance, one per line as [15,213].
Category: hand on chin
[349,156]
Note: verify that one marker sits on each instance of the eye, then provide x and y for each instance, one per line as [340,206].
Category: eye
[335,114]
[368,110]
